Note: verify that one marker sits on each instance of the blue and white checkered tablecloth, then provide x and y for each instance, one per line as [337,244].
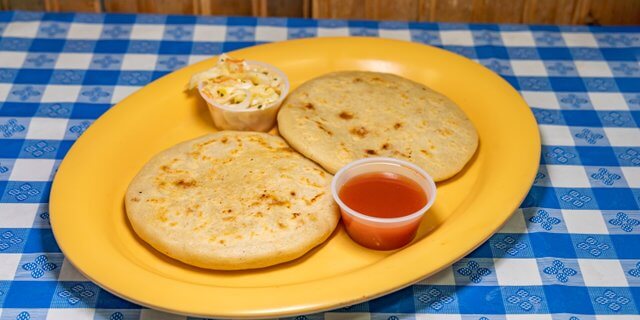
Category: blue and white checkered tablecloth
[572,251]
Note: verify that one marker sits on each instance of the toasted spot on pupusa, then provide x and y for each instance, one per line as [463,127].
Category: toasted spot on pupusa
[232,200]
[358,114]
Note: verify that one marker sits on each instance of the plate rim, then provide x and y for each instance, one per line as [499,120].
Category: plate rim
[55,195]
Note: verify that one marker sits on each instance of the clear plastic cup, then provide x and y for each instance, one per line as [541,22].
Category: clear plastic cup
[229,118]
[382,233]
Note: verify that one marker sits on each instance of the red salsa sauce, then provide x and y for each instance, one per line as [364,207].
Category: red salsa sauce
[383,195]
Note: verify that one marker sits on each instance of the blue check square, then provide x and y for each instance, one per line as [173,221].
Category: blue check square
[468,52]
[615,199]
[29,294]
[47,45]
[541,197]
[567,84]
[487,52]
[4,288]
[111,46]
[628,85]
[618,54]
[568,299]
[18,109]
[90,110]
[175,48]
[107,300]
[626,246]
[599,156]
[552,244]
[41,241]
[582,118]
[480,300]
[177,19]
[33,76]
[398,302]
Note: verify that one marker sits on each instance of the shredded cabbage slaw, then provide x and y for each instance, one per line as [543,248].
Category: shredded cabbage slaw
[237,84]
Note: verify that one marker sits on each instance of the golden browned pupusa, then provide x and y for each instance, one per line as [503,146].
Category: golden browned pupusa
[232,200]
[343,116]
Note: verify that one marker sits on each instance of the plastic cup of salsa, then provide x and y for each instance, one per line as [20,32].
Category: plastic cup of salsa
[382,201]
[226,117]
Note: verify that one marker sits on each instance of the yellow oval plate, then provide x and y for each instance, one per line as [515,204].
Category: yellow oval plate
[90,225]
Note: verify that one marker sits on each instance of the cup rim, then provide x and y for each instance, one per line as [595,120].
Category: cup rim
[283,93]
[431,198]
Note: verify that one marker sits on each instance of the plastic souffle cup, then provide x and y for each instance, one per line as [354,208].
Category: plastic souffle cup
[382,233]
[229,118]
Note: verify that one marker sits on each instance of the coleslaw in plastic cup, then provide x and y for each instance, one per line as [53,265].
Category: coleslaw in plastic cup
[242,94]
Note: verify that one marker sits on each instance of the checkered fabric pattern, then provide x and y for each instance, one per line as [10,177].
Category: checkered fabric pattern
[572,250]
